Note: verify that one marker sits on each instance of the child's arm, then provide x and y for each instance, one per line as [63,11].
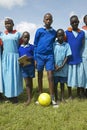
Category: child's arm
[36,40]
[1,44]
[58,68]
[64,62]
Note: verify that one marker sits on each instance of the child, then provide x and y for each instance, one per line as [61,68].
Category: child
[75,38]
[61,53]
[84,54]
[1,85]
[43,43]
[28,71]
[12,81]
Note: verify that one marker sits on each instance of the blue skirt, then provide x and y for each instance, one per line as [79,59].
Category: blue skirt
[1,86]
[12,75]
[76,75]
[85,72]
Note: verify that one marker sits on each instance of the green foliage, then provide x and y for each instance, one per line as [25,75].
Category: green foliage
[68,116]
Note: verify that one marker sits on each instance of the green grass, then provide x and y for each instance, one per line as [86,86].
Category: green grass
[69,116]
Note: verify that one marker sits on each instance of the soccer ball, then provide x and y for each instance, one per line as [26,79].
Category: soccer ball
[44,99]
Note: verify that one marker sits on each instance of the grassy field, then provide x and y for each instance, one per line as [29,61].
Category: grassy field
[69,116]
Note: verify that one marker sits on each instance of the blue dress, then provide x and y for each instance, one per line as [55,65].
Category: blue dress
[84,58]
[12,78]
[1,84]
[75,69]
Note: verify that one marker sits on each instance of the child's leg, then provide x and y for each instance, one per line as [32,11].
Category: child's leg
[82,92]
[78,92]
[40,81]
[1,97]
[51,86]
[56,91]
[51,83]
[62,91]
[86,92]
[69,92]
[29,86]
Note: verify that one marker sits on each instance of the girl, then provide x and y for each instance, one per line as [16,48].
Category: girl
[12,81]
[1,85]
[75,38]
[84,54]
[28,71]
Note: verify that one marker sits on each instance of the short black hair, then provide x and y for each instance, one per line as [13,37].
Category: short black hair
[73,16]
[84,17]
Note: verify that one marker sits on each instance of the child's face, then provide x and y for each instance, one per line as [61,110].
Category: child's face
[47,20]
[60,36]
[9,24]
[74,23]
[25,38]
[85,20]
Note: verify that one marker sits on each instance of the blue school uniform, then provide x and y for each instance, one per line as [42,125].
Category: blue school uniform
[1,85]
[28,70]
[60,52]
[12,78]
[84,58]
[75,70]
[43,48]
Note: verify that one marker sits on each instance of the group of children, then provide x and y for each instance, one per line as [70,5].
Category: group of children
[62,53]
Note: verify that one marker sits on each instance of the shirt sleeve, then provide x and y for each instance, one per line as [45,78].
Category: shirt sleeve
[36,39]
[68,50]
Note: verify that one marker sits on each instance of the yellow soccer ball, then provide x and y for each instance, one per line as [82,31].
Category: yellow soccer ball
[44,99]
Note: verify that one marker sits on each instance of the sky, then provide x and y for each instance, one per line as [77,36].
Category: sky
[28,14]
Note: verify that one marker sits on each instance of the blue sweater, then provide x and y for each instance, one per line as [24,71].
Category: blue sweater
[27,50]
[76,46]
[43,42]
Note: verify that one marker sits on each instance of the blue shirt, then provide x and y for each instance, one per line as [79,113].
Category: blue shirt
[60,52]
[43,42]
[84,49]
[76,46]
[27,50]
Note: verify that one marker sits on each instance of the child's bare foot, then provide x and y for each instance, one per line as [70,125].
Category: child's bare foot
[70,98]
[1,97]
[27,102]
[58,102]
[63,100]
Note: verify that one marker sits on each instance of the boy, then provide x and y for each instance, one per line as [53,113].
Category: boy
[61,53]
[43,43]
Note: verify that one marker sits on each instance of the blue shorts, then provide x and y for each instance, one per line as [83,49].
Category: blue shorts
[45,60]
[28,72]
[60,79]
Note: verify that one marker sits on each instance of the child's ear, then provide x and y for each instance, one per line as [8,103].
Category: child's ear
[13,24]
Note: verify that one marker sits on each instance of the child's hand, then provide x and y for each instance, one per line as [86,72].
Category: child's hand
[22,64]
[35,63]
[29,59]
[58,68]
